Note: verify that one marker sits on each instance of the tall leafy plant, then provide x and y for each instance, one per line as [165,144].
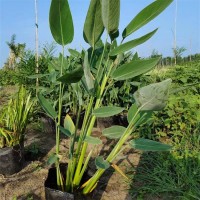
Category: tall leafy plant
[100,65]
[14,118]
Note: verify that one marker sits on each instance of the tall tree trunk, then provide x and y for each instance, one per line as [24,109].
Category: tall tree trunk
[36,45]
[175,22]
[190,50]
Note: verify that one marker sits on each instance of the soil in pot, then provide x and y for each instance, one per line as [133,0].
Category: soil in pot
[11,159]
[51,190]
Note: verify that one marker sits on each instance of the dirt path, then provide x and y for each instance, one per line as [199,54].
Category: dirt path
[29,183]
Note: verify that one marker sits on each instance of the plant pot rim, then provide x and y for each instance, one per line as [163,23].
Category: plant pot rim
[59,191]
[65,195]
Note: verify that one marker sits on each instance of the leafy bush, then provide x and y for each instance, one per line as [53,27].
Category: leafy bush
[174,174]
[14,118]
[182,114]
[8,77]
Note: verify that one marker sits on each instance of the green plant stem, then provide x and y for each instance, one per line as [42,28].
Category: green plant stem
[104,47]
[72,159]
[76,128]
[77,177]
[82,133]
[85,164]
[111,156]
[83,151]
[83,128]
[59,178]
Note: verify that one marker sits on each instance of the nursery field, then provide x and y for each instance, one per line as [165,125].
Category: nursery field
[100,123]
[151,175]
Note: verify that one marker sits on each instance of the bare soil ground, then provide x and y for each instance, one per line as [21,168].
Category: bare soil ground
[29,183]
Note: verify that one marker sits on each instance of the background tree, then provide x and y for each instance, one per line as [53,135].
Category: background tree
[178,52]
[36,43]
[16,52]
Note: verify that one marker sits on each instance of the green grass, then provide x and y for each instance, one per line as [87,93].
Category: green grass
[164,174]
[174,175]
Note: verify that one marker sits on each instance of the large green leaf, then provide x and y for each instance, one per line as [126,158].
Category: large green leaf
[114,132]
[153,96]
[93,140]
[139,117]
[93,27]
[134,68]
[145,117]
[149,145]
[65,131]
[74,53]
[73,76]
[60,21]
[101,163]
[111,15]
[131,44]
[69,124]
[132,112]
[145,16]
[47,106]
[107,111]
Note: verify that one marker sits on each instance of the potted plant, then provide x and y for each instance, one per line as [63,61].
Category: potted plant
[101,65]
[13,121]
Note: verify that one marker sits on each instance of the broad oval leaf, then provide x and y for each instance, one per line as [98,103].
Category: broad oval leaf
[149,145]
[47,106]
[60,21]
[74,53]
[138,117]
[114,132]
[146,15]
[101,163]
[72,77]
[107,111]
[111,15]
[131,44]
[132,112]
[134,68]
[92,140]
[93,27]
[65,131]
[69,124]
[154,96]
[144,117]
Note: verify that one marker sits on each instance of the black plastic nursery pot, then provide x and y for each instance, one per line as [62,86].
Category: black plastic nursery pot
[48,124]
[51,190]
[52,194]
[11,159]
